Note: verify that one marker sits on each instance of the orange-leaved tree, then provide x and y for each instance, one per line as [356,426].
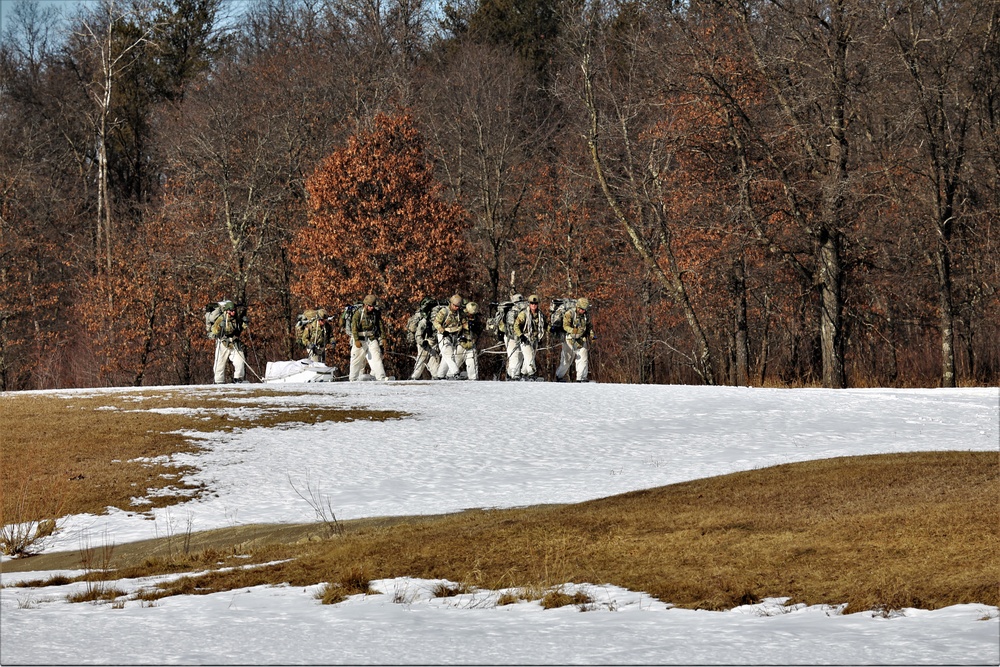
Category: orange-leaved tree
[379,224]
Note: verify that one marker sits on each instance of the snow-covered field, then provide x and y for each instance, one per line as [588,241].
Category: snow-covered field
[490,444]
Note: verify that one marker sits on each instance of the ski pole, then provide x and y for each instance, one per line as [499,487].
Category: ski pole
[253,348]
[400,354]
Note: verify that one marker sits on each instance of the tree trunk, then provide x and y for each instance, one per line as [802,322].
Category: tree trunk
[765,342]
[947,315]
[829,279]
[741,374]
[147,344]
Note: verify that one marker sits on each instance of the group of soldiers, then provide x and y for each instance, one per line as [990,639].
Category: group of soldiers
[572,329]
[446,339]
[314,330]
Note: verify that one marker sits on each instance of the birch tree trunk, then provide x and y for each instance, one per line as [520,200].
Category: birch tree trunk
[112,60]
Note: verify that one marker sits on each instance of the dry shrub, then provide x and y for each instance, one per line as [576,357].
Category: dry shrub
[30,501]
[443,590]
[97,594]
[331,594]
[507,598]
[528,593]
[558,598]
[353,582]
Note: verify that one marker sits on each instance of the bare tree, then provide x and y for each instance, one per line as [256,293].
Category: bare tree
[945,47]
[621,105]
[382,41]
[808,54]
[102,34]
[228,151]
[488,127]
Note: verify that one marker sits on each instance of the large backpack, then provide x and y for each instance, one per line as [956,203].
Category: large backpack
[411,327]
[309,317]
[436,308]
[349,315]
[502,321]
[557,309]
[214,311]
[423,313]
[304,320]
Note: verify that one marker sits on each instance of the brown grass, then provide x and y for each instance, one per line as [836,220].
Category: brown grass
[97,594]
[556,598]
[353,582]
[71,454]
[876,532]
[443,590]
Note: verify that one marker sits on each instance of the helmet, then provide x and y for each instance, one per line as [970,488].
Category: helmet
[517,297]
[370,300]
[582,303]
[472,308]
[228,305]
[533,298]
[456,300]
[321,313]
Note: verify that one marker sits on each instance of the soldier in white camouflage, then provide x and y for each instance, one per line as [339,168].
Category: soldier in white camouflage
[428,354]
[367,339]
[226,331]
[449,323]
[466,353]
[576,343]
[513,347]
[315,333]
[529,329]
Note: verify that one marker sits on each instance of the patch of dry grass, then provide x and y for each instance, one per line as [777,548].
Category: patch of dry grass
[73,454]
[353,582]
[557,598]
[97,594]
[876,532]
[443,590]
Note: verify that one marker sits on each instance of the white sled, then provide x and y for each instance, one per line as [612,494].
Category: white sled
[302,370]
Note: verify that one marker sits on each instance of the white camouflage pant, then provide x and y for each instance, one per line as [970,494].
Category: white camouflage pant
[470,359]
[369,352]
[224,353]
[515,358]
[449,364]
[570,355]
[425,360]
[528,366]
[520,358]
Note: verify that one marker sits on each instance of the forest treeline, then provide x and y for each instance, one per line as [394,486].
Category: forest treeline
[750,192]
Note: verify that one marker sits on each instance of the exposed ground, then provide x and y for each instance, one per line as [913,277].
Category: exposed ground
[75,454]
